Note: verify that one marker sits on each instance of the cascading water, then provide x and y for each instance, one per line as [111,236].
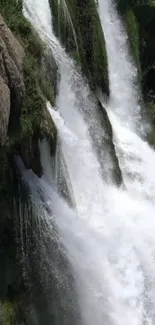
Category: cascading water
[136,158]
[46,269]
[122,73]
[109,239]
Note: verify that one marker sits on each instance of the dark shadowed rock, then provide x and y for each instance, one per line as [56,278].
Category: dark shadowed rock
[4,110]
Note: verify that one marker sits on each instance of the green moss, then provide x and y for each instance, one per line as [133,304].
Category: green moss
[140,20]
[11,11]
[38,87]
[37,90]
[99,58]
[7,313]
[133,32]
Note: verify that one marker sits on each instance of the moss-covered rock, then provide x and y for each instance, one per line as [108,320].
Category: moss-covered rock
[139,17]
[114,167]
[37,83]
[133,32]
[25,73]
[78,26]
[7,313]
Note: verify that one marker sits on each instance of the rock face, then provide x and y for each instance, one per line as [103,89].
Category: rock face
[11,78]
[86,44]
[4,110]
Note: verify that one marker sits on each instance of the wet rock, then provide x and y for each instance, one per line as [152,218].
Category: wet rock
[4,110]
[11,78]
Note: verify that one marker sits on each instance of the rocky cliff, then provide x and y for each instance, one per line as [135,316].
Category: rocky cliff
[25,85]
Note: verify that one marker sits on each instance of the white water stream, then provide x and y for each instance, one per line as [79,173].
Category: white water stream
[110,237]
[122,73]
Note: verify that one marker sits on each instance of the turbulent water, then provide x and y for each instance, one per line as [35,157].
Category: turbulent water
[109,234]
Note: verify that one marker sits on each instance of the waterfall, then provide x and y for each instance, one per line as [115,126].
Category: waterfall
[46,269]
[122,73]
[136,158]
[109,237]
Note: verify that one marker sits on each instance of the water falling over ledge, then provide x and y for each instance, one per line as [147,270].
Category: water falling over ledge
[109,239]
